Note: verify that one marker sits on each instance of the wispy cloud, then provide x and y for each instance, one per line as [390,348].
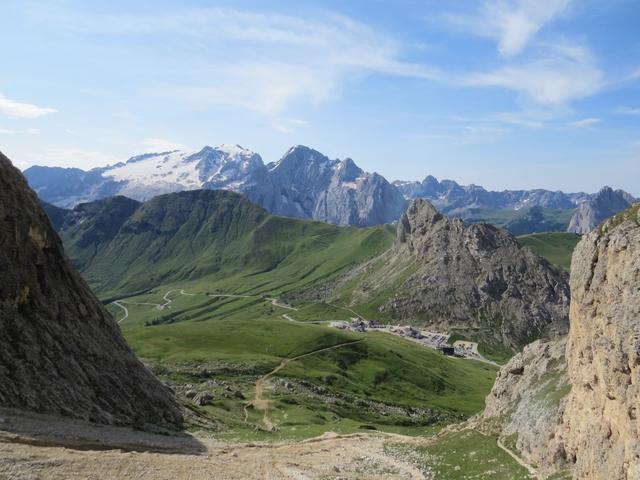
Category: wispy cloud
[585,122]
[155,145]
[512,23]
[11,131]
[628,110]
[263,62]
[70,157]
[562,73]
[288,125]
[16,109]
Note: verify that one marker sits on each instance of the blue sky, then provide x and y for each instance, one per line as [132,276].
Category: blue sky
[501,93]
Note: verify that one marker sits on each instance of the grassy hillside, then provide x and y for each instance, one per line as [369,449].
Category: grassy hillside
[556,247]
[195,275]
[223,345]
[216,234]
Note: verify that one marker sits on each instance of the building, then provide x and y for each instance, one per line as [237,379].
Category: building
[447,350]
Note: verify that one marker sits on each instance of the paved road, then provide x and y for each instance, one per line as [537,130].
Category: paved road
[126,310]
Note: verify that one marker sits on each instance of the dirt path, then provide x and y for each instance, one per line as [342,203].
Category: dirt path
[275,303]
[532,471]
[261,403]
[348,457]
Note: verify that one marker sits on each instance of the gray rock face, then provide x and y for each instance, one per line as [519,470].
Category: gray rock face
[475,278]
[60,351]
[591,213]
[579,412]
[303,184]
[526,403]
[306,184]
[601,425]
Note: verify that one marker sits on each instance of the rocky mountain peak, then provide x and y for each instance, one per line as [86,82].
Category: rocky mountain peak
[463,276]
[62,353]
[602,205]
[417,220]
[348,170]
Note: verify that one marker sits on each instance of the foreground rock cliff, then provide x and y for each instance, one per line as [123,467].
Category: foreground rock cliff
[60,351]
[601,426]
[579,410]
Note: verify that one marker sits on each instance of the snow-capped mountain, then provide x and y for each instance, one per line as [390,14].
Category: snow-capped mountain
[303,184]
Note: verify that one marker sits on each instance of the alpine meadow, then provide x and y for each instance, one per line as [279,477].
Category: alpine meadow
[418,258]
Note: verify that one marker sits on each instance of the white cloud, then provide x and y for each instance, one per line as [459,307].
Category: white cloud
[517,22]
[28,131]
[22,110]
[512,23]
[287,125]
[562,73]
[155,145]
[263,62]
[520,119]
[70,157]
[628,111]
[585,122]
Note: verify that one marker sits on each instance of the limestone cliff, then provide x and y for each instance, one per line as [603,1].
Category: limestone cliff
[60,351]
[579,411]
[601,425]
[525,405]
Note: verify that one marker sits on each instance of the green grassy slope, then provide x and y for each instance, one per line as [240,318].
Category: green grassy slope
[556,247]
[192,235]
[169,258]
[461,455]
[236,340]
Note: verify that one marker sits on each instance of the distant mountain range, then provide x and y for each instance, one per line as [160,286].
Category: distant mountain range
[306,184]
[302,184]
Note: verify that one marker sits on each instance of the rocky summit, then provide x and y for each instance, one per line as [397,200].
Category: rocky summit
[62,353]
[597,208]
[476,279]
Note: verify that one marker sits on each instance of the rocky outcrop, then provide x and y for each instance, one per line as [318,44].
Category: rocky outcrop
[525,405]
[579,412]
[60,351]
[601,424]
[475,279]
[602,205]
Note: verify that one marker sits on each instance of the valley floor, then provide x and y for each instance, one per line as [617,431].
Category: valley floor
[43,447]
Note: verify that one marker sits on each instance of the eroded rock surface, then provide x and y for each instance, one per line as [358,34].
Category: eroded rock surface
[61,352]
[601,428]
[476,278]
[526,403]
